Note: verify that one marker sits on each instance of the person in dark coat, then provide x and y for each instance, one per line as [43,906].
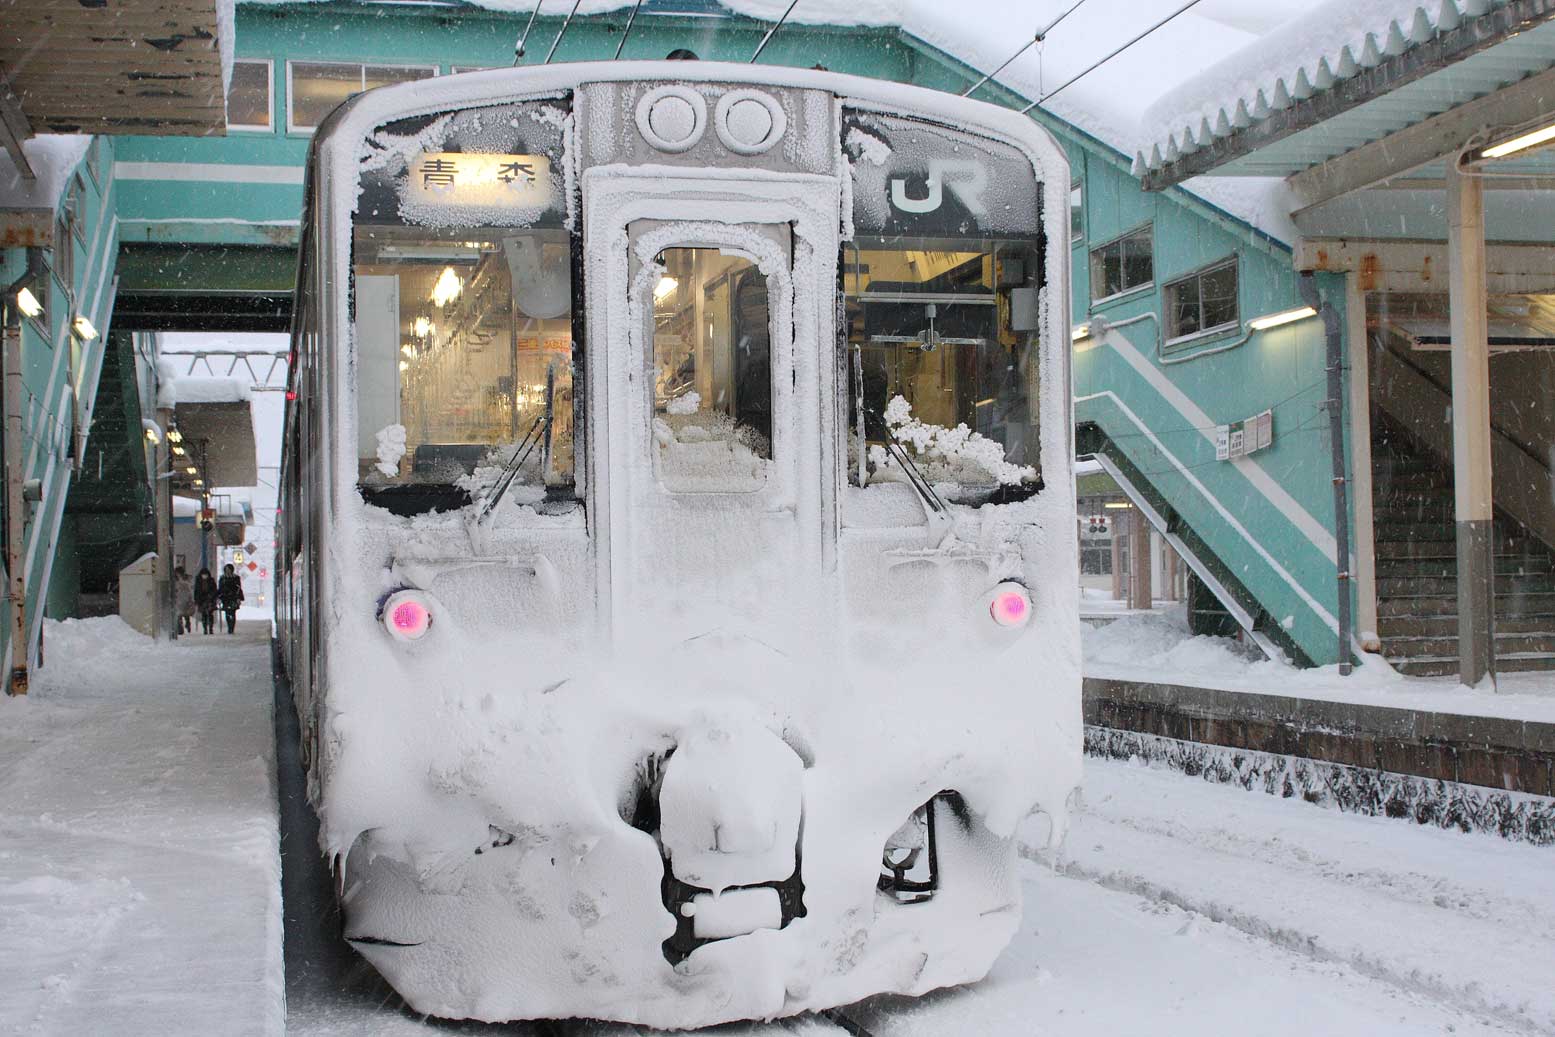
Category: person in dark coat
[205,597]
[230,592]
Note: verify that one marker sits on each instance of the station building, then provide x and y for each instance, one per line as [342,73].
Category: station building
[1243,372]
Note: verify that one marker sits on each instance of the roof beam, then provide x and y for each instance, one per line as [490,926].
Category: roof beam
[14,127]
[1421,266]
[1422,143]
[1473,36]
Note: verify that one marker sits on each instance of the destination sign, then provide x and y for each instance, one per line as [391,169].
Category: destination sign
[479,181]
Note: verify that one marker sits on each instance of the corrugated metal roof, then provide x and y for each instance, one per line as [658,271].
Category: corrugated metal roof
[1416,64]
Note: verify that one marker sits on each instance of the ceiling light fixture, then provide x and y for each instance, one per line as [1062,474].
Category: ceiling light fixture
[1523,143]
[449,287]
[1274,320]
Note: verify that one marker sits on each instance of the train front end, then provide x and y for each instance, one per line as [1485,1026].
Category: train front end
[682,587]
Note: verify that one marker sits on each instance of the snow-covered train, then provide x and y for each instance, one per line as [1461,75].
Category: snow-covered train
[678,558]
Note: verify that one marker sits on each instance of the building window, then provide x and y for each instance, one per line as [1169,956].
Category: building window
[1122,264]
[1203,302]
[316,88]
[250,97]
[1077,213]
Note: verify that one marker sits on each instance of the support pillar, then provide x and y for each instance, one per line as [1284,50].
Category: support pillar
[15,512]
[1139,591]
[1471,424]
[164,507]
[1364,564]
[1115,542]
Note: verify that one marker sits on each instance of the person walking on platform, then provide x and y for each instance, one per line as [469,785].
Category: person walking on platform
[205,600]
[230,591]
[183,600]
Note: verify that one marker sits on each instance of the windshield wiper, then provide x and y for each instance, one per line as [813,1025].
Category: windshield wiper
[539,433]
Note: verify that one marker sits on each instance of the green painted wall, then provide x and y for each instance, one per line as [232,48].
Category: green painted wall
[59,375]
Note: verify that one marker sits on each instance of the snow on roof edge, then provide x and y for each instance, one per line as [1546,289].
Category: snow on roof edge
[1308,55]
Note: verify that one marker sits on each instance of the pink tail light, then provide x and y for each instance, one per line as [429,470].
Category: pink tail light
[406,616]
[1010,605]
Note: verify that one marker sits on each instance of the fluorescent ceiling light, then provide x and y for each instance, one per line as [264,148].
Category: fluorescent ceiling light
[1274,320]
[665,288]
[28,303]
[448,288]
[1522,143]
[177,450]
[1117,504]
[83,329]
[192,470]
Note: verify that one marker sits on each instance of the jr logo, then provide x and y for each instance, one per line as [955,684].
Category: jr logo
[966,180]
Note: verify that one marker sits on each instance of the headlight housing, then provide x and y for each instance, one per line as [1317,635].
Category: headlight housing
[407,615]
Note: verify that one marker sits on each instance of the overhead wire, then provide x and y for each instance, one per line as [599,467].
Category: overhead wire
[1098,64]
[1038,38]
[627,31]
[561,32]
[523,41]
[763,44]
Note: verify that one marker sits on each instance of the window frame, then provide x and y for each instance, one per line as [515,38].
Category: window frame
[1148,227]
[293,129]
[245,127]
[1168,340]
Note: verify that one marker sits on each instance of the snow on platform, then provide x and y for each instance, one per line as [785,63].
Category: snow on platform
[1157,647]
[139,888]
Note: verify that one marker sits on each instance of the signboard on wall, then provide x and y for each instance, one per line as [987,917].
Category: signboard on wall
[1244,437]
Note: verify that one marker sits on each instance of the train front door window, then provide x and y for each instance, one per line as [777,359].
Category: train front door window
[711,371]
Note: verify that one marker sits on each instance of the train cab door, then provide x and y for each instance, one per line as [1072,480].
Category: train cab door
[715,477]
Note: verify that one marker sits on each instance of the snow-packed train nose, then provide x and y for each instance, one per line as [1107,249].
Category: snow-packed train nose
[730,806]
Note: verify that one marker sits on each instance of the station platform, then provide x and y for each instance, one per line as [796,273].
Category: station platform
[1373,741]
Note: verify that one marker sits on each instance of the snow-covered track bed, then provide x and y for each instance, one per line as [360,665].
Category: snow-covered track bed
[1465,921]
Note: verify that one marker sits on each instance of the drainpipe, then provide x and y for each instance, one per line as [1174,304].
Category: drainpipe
[1333,340]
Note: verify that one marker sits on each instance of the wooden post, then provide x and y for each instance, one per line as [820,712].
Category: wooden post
[1139,590]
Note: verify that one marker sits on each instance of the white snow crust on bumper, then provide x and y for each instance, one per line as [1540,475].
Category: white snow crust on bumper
[477,789]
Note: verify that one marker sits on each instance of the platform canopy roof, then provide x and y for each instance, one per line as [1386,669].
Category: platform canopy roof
[214,423]
[1358,106]
[112,66]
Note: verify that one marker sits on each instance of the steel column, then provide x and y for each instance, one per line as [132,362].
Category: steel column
[16,510]
[1471,424]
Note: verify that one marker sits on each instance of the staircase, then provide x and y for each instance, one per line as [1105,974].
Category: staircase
[1417,579]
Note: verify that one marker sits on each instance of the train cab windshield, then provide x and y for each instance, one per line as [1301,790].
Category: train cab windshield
[463,311]
[942,284]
